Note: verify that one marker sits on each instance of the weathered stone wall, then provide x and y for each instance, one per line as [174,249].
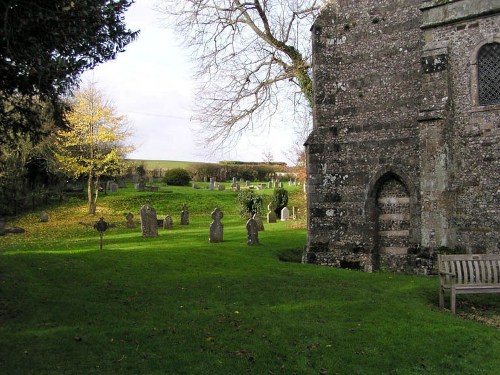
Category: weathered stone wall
[397,156]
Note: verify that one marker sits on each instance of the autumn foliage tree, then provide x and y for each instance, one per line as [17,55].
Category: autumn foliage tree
[94,145]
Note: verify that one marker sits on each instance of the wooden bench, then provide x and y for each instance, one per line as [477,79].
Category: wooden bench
[468,274]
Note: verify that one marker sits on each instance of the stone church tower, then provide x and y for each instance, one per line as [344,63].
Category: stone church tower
[404,156]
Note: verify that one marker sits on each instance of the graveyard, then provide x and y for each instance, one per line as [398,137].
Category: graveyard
[190,299]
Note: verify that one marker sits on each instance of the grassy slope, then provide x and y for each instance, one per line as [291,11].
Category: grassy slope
[179,305]
[163,164]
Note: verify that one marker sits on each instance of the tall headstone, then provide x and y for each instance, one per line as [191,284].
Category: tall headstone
[130,220]
[270,185]
[252,232]
[149,221]
[234,180]
[216,227]
[44,217]
[168,222]
[294,213]
[113,187]
[271,215]
[211,186]
[184,215]
[285,214]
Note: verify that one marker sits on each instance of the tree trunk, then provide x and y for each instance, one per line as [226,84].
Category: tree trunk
[90,195]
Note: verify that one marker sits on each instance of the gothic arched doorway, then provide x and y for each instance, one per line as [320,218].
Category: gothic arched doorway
[392,207]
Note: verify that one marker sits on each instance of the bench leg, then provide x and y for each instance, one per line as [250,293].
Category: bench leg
[441,297]
[453,300]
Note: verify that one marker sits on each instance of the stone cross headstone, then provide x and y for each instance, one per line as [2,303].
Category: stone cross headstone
[101,227]
[168,223]
[44,217]
[271,215]
[216,227]
[149,221]
[184,215]
[113,187]
[130,220]
[285,214]
[252,232]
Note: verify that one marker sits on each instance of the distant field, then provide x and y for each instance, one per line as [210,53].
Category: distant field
[163,164]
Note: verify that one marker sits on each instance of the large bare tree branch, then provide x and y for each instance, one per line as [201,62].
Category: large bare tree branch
[251,58]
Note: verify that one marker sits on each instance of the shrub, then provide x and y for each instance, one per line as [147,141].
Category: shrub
[250,203]
[280,200]
[177,177]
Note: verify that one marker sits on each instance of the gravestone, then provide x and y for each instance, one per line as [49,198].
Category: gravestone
[44,217]
[294,213]
[211,186]
[108,185]
[216,227]
[130,220]
[113,187]
[281,184]
[252,232]
[260,224]
[285,214]
[184,215]
[168,223]
[149,221]
[271,215]
[234,180]
[270,185]
[247,183]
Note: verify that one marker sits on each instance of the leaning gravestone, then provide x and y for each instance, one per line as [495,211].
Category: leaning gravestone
[149,221]
[184,215]
[130,220]
[168,223]
[271,215]
[216,227]
[44,217]
[285,214]
[252,232]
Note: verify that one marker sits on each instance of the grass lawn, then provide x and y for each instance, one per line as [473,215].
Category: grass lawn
[177,304]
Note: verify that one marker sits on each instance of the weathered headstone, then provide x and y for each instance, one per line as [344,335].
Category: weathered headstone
[285,214]
[168,223]
[234,180]
[211,186]
[149,221]
[113,187]
[216,227]
[247,183]
[271,215]
[130,220]
[260,224]
[270,185]
[44,217]
[184,215]
[252,232]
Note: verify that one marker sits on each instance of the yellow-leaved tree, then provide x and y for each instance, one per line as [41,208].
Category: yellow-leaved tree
[95,143]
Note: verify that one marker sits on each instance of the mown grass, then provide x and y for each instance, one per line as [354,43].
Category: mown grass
[177,304]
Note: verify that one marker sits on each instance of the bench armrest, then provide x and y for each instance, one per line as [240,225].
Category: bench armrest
[444,273]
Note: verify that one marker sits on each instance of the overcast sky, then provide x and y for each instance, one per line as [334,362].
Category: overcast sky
[150,83]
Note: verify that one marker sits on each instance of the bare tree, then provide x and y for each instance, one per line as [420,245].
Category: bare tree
[252,61]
